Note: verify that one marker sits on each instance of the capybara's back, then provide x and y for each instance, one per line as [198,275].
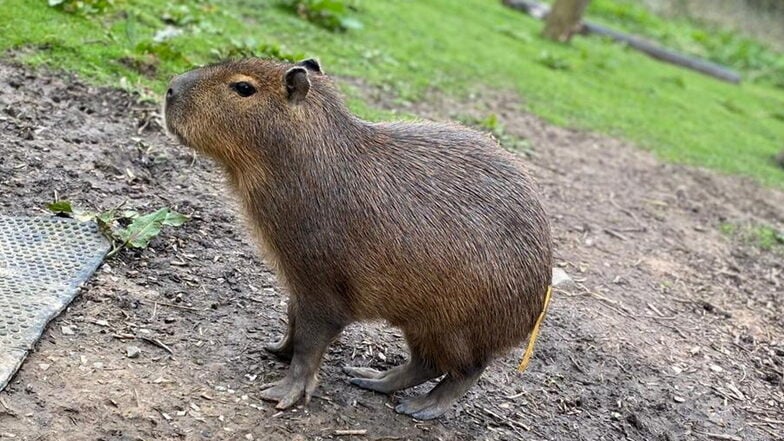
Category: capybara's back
[434,228]
[431,227]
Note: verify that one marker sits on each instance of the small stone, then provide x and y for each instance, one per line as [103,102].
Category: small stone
[716,368]
[67,330]
[678,399]
[560,277]
[98,365]
[249,436]
[132,352]
[676,369]
[43,366]
[103,323]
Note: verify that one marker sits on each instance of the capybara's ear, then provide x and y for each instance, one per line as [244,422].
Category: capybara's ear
[312,65]
[297,84]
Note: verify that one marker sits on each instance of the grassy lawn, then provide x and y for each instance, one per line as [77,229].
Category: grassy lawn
[411,47]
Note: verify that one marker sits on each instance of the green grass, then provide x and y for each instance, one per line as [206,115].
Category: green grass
[758,62]
[763,237]
[413,48]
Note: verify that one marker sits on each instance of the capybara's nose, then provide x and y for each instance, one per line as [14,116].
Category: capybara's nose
[179,85]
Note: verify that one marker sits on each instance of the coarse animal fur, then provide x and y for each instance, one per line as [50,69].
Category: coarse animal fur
[431,227]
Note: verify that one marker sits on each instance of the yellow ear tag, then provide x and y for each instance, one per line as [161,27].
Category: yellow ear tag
[529,351]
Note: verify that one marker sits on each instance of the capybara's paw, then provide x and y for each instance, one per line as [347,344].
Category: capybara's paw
[281,349]
[285,392]
[372,384]
[362,372]
[423,408]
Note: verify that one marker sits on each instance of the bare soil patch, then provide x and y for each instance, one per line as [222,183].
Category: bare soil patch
[671,331]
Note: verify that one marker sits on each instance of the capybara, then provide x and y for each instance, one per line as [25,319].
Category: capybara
[432,227]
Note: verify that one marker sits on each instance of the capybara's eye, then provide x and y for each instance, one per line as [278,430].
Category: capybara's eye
[243,89]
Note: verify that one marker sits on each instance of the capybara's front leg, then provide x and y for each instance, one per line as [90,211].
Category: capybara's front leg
[314,331]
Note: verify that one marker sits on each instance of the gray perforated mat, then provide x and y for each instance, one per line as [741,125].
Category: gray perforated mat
[43,261]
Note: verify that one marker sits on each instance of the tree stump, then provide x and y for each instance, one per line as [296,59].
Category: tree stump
[564,19]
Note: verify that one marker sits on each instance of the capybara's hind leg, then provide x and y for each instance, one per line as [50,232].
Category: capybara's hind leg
[284,349]
[410,374]
[441,398]
[310,340]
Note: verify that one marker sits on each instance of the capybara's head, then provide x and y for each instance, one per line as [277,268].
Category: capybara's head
[233,110]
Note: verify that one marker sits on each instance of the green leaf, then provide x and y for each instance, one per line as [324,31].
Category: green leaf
[59,207]
[145,228]
[129,214]
[85,216]
[174,219]
[106,218]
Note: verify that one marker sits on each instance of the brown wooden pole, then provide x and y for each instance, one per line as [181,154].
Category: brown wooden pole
[666,55]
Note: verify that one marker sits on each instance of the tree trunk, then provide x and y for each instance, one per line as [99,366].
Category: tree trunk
[564,19]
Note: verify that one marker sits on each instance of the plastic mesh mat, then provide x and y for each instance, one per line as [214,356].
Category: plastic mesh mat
[43,262]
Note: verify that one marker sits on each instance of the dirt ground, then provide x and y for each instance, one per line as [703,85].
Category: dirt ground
[672,331]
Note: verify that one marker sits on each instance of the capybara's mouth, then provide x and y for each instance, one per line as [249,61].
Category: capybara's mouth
[170,127]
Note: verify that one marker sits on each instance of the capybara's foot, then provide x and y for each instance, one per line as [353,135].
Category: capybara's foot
[423,408]
[308,344]
[400,377]
[287,391]
[362,372]
[282,349]
[440,399]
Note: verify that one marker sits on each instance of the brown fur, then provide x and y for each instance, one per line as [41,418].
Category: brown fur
[431,227]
